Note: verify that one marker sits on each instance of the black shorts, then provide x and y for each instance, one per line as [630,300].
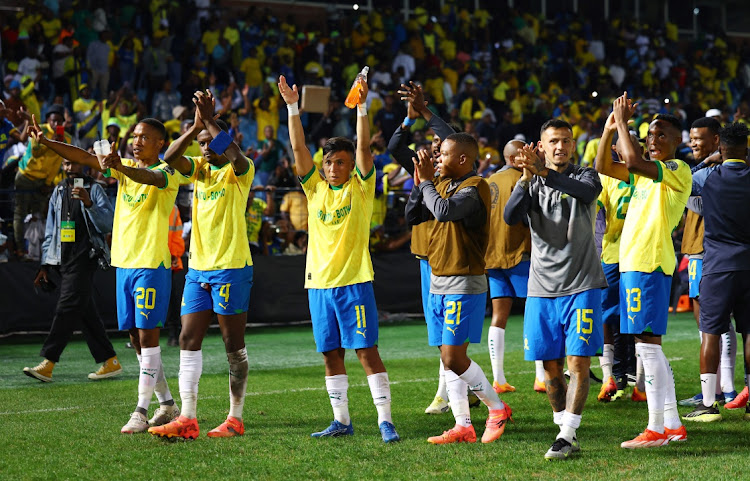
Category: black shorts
[722,294]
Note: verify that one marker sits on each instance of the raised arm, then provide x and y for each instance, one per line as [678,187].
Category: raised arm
[623,109]
[70,152]
[302,156]
[604,164]
[205,104]
[364,154]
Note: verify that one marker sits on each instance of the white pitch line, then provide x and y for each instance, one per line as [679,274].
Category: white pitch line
[254,393]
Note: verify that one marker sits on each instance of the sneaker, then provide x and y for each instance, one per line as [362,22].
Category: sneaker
[638,396]
[438,406]
[457,434]
[738,402]
[679,434]
[647,439]
[631,379]
[501,388]
[473,400]
[42,371]
[561,449]
[703,414]
[697,400]
[608,390]
[496,422]
[110,368]
[729,396]
[539,386]
[138,423]
[619,394]
[181,427]
[388,432]
[335,430]
[229,428]
[164,414]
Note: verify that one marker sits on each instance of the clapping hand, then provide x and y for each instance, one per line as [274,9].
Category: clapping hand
[423,168]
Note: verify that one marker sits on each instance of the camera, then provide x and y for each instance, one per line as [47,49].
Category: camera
[101,258]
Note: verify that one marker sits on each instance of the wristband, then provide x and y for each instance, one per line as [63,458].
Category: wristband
[220,143]
[293,109]
[408,122]
[362,110]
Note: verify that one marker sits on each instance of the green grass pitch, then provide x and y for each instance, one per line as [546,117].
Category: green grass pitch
[69,429]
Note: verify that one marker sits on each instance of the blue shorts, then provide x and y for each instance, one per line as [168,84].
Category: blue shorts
[228,293]
[143,297]
[695,272]
[645,305]
[344,317]
[729,294]
[511,282]
[455,319]
[557,326]
[611,294]
[425,271]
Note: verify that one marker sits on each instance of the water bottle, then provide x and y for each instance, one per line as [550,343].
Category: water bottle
[355,94]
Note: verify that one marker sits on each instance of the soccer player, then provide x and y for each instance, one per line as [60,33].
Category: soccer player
[613,200]
[725,195]
[339,272]
[507,260]
[146,192]
[459,201]
[661,189]
[704,142]
[420,234]
[563,308]
[221,269]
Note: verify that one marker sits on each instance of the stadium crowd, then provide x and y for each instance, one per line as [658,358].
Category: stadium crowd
[75,72]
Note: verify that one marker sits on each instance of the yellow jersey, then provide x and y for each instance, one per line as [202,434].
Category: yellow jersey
[614,199]
[85,110]
[140,234]
[217,238]
[655,209]
[339,228]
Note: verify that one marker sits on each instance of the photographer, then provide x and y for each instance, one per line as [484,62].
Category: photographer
[79,216]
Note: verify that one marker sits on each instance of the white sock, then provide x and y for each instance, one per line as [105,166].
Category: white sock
[191,367]
[728,359]
[557,417]
[640,378]
[150,361]
[380,388]
[496,343]
[606,360]
[337,387]
[671,415]
[476,380]
[458,398]
[161,389]
[539,370]
[442,390]
[238,367]
[708,388]
[655,378]
[570,422]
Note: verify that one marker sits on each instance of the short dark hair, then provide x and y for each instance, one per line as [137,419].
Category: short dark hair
[55,109]
[338,144]
[222,125]
[734,135]
[466,142]
[157,125]
[670,119]
[555,124]
[709,123]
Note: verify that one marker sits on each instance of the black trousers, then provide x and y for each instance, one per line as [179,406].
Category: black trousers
[76,303]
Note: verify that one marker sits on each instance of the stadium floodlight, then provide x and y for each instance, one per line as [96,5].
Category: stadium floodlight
[696,11]
[666,101]
[595,94]
[355,6]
